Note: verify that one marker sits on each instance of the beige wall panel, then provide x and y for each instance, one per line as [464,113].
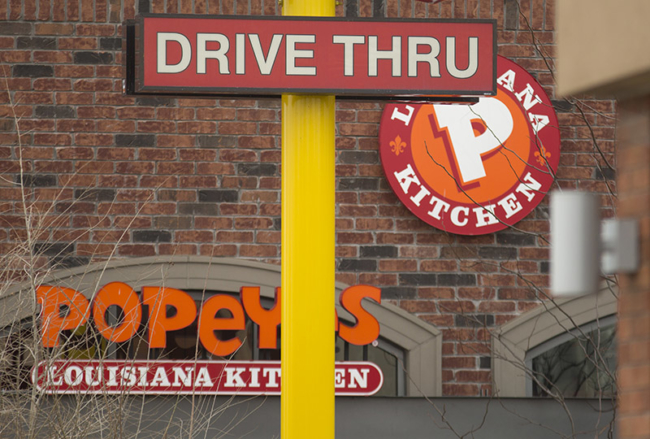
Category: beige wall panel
[603,47]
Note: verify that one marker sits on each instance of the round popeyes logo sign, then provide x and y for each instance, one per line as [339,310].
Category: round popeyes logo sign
[474,169]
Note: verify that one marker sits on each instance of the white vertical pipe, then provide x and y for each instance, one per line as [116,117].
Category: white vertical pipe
[575,243]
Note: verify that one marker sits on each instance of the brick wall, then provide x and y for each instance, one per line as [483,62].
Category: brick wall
[111,176]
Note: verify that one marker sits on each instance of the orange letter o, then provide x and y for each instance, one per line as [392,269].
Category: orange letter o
[122,295]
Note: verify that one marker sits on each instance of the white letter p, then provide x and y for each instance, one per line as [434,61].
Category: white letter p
[468,148]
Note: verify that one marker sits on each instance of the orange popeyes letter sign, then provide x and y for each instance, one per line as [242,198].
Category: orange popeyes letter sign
[66,309]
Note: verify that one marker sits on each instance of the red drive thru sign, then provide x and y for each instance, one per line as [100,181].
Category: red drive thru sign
[189,377]
[271,56]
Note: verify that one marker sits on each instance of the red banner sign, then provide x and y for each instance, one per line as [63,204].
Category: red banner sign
[189,377]
[270,56]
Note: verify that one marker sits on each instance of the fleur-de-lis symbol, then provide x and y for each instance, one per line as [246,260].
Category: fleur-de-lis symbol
[397,146]
[542,156]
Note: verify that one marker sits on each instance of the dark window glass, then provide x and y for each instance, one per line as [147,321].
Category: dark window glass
[581,366]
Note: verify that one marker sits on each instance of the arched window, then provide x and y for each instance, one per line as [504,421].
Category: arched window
[580,363]
[408,350]
[565,347]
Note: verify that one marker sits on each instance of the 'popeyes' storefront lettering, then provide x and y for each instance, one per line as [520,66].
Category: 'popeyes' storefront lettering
[65,309]
[54,299]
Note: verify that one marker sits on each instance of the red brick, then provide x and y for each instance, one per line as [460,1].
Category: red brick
[457,306]
[194,236]
[115,153]
[270,183]
[74,98]
[93,85]
[130,222]
[394,238]
[258,250]
[235,155]
[494,307]
[33,152]
[25,97]
[75,125]
[215,169]
[36,125]
[95,112]
[197,127]
[237,128]
[171,141]
[53,29]
[132,167]
[15,56]
[175,113]
[52,57]
[75,153]
[224,236]
[77,180]
[436,293]
[158,181]
[232,182]
[503,280]
[196,155]
[357,211]
[177,249]
[94,139]
[175,168]
[199,182]
[135,112]
[269,128]
[399,265]
[118,180]
[418,306]
[77,44]
[248,209]
[120,126]
[113,99]
[445,266]
[358,129]
[374,224]
[438,320]
[467,348]
[151,126]
[210,113]
[354,238]
[212,223]
[136,250]
[104,30]
[52,139]
[254,223]
[218,250]
[378,279]
[256,142]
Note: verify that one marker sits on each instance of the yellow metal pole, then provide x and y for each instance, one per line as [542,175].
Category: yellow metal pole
[308,265]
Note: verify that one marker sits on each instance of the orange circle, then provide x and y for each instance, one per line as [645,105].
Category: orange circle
[504,166]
